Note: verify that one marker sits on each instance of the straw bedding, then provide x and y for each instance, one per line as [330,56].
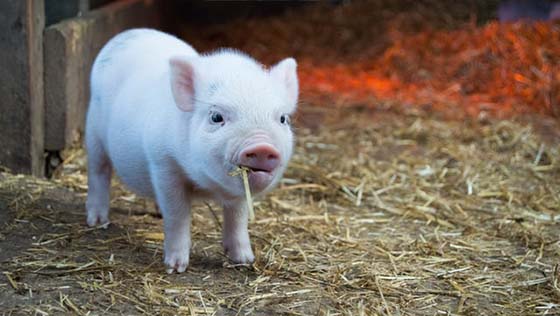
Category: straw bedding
[380,213]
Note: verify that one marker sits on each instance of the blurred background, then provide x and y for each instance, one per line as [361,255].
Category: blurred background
[499,56]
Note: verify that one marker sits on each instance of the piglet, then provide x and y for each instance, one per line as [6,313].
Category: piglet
[174,124]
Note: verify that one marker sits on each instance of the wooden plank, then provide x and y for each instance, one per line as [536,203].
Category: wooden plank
[70,49]
[21,85]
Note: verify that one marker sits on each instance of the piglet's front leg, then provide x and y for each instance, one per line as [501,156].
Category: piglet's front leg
[175,205]
[235,232]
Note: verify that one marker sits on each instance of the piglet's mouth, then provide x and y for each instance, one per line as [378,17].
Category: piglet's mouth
[253,169]
[259,178]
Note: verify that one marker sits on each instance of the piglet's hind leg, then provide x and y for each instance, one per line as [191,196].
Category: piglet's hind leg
[99,184]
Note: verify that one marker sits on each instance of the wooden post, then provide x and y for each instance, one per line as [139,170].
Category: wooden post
[21,85]
[70,48]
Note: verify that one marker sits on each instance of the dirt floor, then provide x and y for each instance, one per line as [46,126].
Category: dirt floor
[381,213]
[428,194]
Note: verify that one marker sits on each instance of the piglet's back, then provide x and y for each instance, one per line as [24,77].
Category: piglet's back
[137,52]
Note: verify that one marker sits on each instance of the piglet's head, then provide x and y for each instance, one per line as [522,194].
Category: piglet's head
[240,116]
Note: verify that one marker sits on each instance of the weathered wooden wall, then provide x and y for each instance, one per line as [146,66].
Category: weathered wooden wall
[70,49]
[44,72]
[21,85]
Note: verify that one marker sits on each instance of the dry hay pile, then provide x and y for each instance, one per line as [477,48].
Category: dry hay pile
[416,52]
[377,215]
[499,67]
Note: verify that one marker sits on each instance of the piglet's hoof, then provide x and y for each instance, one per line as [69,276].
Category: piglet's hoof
[240,253]
[94,219]
[177,260]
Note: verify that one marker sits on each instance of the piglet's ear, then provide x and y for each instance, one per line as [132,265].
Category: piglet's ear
[285,71]
[182,83]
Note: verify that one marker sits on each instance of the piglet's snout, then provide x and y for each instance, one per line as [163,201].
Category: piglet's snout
[260,157]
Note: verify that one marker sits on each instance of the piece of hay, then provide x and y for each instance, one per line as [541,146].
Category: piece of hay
[243,172]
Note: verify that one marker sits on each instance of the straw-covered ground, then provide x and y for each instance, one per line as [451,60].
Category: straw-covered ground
[380,213]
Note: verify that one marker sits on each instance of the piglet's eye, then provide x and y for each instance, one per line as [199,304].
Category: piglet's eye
[216,118]
[285,119]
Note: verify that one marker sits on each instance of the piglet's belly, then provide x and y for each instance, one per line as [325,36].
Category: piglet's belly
[138,182]
[132,169]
